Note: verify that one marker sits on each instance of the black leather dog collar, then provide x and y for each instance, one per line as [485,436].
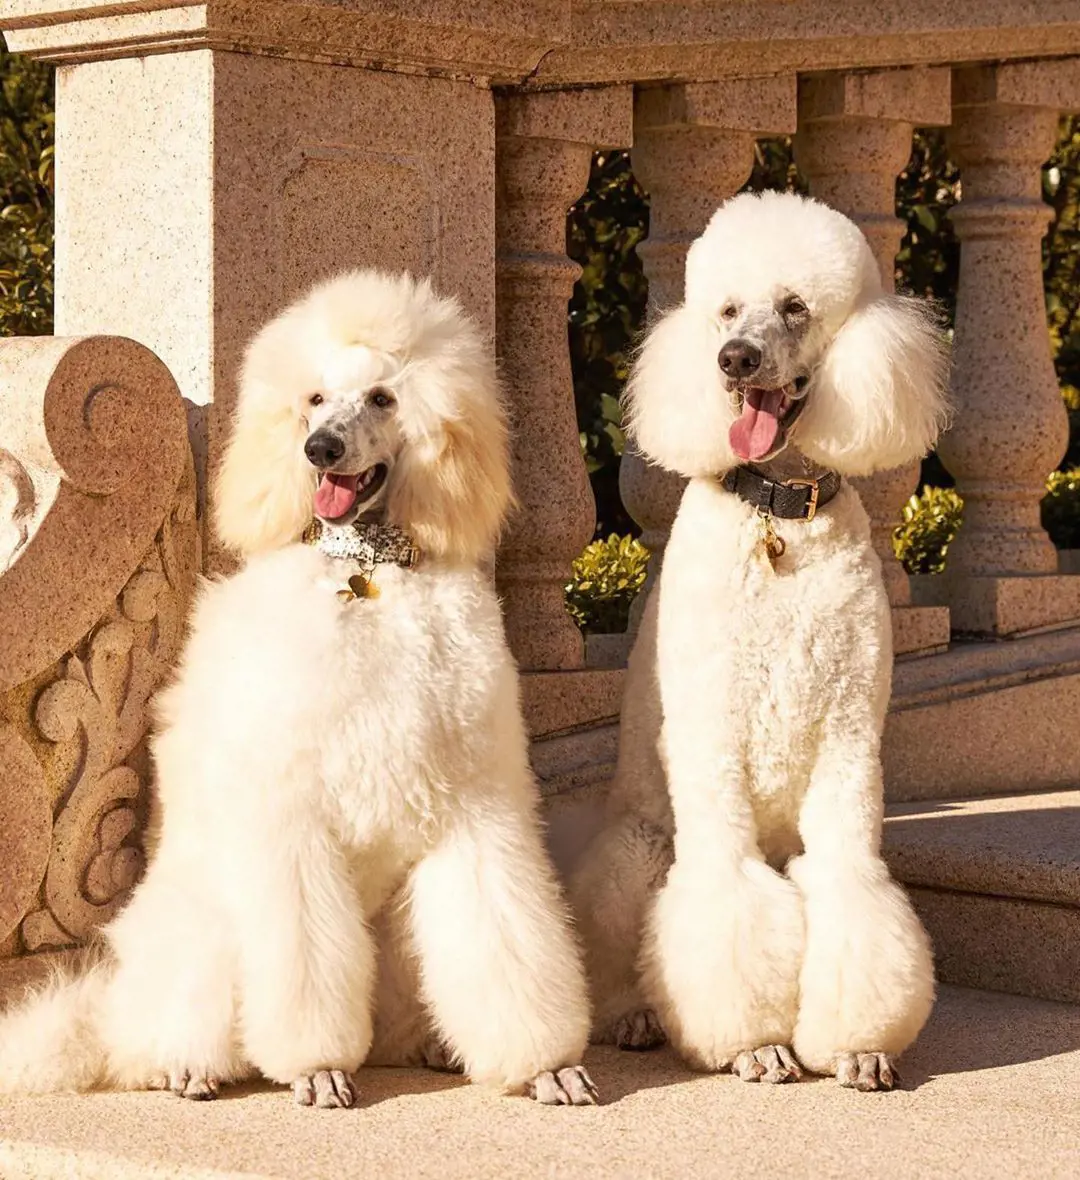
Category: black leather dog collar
[790,499]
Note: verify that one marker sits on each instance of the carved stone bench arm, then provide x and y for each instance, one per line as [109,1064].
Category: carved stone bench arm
[92,447]
[98,554]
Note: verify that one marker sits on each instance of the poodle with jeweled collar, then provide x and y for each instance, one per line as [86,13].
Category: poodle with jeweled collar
[349,865]
[736,898]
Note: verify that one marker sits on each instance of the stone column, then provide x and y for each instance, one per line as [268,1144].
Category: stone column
[854,139]
[1011,426]
[543,150]
[693,148]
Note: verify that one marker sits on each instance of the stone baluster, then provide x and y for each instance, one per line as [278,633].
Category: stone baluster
[1011,426]
[854,139]
[693,148]
[543,151]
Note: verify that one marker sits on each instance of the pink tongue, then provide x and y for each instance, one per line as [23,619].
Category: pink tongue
[336,494]
[754,435]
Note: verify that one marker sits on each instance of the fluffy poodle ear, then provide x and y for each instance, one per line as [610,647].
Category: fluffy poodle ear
[880,396]
[679,412]
[263,494]
[452,489]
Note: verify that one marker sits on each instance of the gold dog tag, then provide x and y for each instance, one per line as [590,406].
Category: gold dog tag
[360,586]
[771,540]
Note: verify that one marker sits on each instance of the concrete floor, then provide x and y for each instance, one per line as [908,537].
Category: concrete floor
[993,1089]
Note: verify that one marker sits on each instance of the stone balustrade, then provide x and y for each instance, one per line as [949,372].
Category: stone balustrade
[1011,427]
[98,554]
[217,157]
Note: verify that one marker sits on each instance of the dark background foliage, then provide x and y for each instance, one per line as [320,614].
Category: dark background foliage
[607,312]
[26,197]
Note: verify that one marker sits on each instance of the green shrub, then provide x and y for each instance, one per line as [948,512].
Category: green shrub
[26,197]
[1061,508]
[604,582]
[932,518]
[930,522]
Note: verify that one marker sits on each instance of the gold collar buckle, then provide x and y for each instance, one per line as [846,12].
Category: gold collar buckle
[812,484]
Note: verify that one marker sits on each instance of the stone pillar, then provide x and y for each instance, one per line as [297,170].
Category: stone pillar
[693,148]
[1011,427]
[543,151]
[854,139]
[212,163]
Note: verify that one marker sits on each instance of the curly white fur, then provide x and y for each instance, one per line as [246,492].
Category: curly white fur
[756,699]
[332,774]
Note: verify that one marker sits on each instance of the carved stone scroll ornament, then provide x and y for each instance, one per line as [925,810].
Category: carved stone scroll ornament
[96,715]
[98,554]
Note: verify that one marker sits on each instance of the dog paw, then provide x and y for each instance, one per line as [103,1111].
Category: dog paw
[196,1085]
[564,1087]
[639,1030]
[867,1071]
[436,1054]
[770,1063]
[328,1089]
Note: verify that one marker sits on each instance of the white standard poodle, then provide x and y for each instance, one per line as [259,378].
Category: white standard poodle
[348,865]
[736,898]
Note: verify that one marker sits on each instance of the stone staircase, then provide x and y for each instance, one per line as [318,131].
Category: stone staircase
[983,771]
[997,882]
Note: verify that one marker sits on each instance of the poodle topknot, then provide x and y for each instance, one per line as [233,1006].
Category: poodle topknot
[787,336]
[448,484]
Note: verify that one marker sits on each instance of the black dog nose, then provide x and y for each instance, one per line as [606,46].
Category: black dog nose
[324,448]
[739,359]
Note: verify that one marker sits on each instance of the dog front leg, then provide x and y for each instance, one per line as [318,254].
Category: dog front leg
[867,983]
[724,939]
[610,895]
[307,959]
[499,965]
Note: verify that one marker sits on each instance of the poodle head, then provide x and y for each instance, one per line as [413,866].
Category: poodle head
[786,337]
[372,397]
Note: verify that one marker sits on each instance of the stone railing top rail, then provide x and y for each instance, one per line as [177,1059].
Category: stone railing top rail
[559,42]
[93,441]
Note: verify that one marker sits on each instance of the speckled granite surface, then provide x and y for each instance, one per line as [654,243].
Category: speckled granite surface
[1017,846]
[993,1093]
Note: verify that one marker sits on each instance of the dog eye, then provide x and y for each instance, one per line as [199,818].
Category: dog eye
[316,399]
[729,311]
[795,307]
[382,399]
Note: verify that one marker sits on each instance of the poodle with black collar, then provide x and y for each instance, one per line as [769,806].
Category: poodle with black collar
[736,898]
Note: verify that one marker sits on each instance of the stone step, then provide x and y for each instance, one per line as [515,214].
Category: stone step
[984,718]
[989,1090]
[997,882]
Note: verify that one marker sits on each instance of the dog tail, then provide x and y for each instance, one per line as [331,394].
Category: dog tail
[50,1040]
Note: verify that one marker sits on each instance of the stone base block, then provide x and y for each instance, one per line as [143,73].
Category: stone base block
[1027,948]
[1000,606]
[985,718]
[557,701]
[920,630]
[608,651]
